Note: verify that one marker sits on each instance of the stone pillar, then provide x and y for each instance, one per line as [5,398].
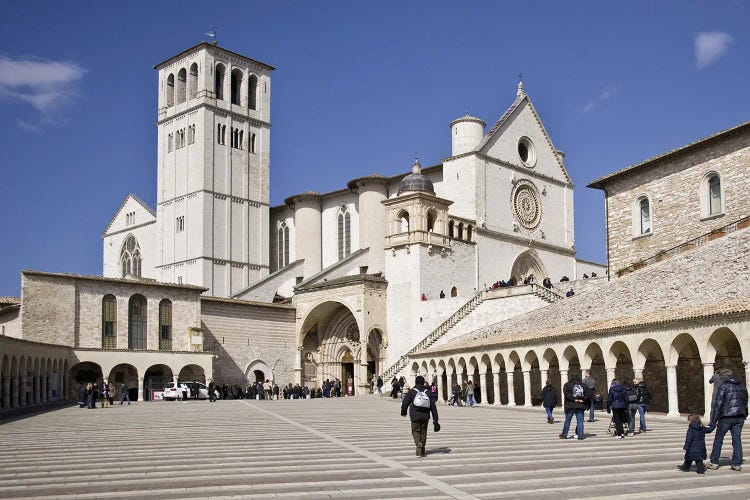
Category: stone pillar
[298,367]
[544,374]
[496,380]
[22,391]
[563,381]
[638,373]
[483,388]
[364,381]
[6,393]
[526,388]
[708,372]
[747,372]
[511,389]
[16,401]
[43,389]
[140,389]
[672,391]
[610,378]
[35,390]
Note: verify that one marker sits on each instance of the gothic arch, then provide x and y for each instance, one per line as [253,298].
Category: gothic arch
[526,264]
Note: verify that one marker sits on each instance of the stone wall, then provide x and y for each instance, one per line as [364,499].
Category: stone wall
[241,334]
[673,186]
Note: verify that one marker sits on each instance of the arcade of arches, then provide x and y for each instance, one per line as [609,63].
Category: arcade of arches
[332,347]
[676,364]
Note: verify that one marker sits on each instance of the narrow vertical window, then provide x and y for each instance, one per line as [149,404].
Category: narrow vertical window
[252,92]
[193,81]
[645,216]
[170,90]
[109,321]
[282,245]
[450,229]
[180,90]
[714,195]
[165,325]
[236,86]
[252,143]
[344,233]
[219,82]
[137,322]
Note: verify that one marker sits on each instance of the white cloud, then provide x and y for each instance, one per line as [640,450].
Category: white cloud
[46,85]
[710,46]
[28,126]
[605,95]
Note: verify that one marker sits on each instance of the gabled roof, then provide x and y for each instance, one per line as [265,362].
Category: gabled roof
[521,97]
[210,45]
[600,182]
[138,200]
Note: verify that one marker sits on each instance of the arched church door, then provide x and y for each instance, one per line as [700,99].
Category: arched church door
[347,373]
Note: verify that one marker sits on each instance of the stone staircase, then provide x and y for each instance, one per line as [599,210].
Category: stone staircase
[465,310]
[433,336]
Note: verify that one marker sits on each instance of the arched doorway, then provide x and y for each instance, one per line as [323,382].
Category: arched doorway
[347,372]
[82,374]
[258,371]
[528,264]
[125,374]
[192,373]
[155,379]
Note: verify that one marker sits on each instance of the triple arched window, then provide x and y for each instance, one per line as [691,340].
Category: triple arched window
[282,240]
[344,233]
[130,258]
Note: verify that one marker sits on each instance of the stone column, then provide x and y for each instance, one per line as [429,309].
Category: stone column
[747,372]
[672,391]
[16,401]
[6,393]
[544,374]
[298,367]
[610,378]
[708,372]
[526,388]
[638,373]
[364,381]
[511,389]
[22,391]
[496,380]
[35,388]
[483,389]
[563,381]
[43,389]
[140,389]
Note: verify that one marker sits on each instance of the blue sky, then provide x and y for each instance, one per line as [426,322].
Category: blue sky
[361,87]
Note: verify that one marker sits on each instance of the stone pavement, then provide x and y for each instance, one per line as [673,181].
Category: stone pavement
[352,448]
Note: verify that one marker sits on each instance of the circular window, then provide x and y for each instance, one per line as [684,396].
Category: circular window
[526,206]
[526,151]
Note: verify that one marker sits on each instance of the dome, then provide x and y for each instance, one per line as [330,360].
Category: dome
[416,181]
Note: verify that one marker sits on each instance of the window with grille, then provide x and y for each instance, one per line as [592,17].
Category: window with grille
[109,322]
[165,325]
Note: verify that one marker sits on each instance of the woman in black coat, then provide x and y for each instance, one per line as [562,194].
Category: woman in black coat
[695,444]
[549,400]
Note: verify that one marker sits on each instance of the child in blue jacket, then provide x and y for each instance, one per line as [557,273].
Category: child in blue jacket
[695,444]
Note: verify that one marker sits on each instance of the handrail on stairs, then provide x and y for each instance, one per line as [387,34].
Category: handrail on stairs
[435,334]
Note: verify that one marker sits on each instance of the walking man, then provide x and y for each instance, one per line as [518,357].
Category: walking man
[590,383]
[728,412]
[125,395]
[419,404]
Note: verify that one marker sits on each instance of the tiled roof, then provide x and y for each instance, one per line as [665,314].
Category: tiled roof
[7,301]
[140,282]
[206,44]
[710,281]
[600,182]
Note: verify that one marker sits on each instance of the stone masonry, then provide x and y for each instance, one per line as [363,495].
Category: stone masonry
[673,184]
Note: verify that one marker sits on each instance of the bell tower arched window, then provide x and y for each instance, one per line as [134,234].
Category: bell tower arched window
[642,216]
[344,233]
[109,322]
[181,86]
[403,218]
[431,220]
[236,86]
[252,92]
[193,81]
[450,229]
[219,81]
[170,90]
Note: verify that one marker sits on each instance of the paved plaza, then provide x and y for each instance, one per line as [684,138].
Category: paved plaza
[340,448]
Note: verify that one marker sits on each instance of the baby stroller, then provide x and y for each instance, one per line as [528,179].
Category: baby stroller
[612,428]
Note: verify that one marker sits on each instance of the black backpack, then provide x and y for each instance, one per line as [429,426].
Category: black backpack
[632,395]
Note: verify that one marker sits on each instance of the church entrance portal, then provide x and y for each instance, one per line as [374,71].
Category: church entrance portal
[528,264]
[347,373]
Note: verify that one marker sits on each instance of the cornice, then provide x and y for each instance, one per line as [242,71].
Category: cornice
[218,111]
[237,199]
[525,241]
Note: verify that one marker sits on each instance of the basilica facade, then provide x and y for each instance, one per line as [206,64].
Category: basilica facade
[387,275]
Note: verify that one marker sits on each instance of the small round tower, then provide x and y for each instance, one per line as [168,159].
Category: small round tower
[466,133]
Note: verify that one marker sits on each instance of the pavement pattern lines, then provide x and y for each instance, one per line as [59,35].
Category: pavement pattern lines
[353,448]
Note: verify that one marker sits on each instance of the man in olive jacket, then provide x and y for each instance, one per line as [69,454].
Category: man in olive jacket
[420,405]
[728,412]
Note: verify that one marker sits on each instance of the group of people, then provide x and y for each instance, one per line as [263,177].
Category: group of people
[626,399]
[104,393]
